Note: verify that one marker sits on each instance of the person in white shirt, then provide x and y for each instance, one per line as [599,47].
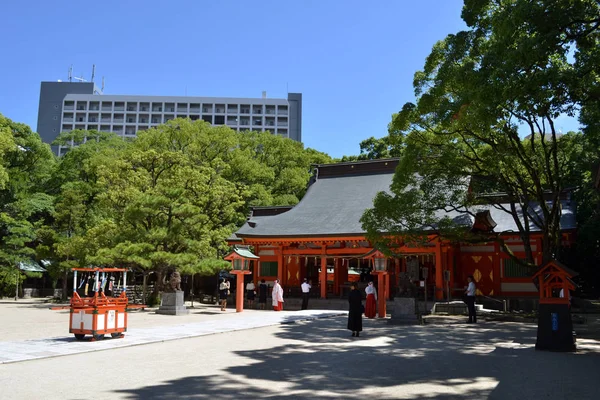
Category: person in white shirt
[470,299]
[305,293]
[223,293]
[371,303]
[250,293]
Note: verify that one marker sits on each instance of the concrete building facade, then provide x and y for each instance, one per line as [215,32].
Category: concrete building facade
[65,106]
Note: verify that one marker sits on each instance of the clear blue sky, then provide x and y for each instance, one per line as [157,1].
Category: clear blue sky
[353,61]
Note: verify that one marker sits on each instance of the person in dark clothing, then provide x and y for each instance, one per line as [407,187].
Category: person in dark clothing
[355,310]
[262,294]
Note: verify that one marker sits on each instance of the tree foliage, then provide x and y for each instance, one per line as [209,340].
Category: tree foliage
[25,167]
[484,121]
[165,201]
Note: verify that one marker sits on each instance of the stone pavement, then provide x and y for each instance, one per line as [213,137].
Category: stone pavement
[23,350]
[319,359]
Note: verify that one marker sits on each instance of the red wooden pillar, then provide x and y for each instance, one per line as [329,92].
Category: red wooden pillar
[451,268]
[280,264]
[381,295]
[439,275]
[256,267]
[387,286]
[239,290]
[323,275]
[344,265]
[336,276]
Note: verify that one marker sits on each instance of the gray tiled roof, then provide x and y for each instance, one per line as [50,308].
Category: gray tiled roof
[331,206]
[334,206]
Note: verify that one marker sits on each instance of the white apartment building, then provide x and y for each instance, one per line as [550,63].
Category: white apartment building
[65,106]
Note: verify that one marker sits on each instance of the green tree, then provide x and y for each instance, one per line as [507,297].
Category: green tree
[171,206]
[519,66]
[271,170]
[373,149]
[24,171]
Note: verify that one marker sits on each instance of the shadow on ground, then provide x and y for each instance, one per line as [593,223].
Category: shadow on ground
[322,361]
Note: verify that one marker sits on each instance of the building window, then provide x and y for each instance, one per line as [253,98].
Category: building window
[268,268]
[514,270]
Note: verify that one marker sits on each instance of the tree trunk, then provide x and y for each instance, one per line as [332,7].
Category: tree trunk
[145,287]
[64,285]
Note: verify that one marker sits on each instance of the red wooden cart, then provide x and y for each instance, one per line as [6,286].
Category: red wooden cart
[98,314]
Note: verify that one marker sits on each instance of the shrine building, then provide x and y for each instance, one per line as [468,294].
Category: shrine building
[321,239]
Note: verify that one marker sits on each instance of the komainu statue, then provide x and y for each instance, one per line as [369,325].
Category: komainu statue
[174,282]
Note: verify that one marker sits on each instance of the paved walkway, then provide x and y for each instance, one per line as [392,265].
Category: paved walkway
[24,350]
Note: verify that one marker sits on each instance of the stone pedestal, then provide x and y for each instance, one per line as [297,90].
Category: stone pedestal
[172,304]
[405,311]
[555,328]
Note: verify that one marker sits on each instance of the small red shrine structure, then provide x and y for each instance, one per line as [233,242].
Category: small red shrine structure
[554,279]
[323,233]
[555,326]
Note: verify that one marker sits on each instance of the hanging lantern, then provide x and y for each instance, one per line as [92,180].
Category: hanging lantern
[379,261]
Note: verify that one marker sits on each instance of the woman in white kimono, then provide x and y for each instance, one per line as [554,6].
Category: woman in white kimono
[277,296]
[371,306]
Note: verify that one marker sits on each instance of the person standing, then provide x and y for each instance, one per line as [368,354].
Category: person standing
[305,293]
[262,294]
[277,296]
[223,293]
[470,299]
[371,307]
[250,293]
[355,310]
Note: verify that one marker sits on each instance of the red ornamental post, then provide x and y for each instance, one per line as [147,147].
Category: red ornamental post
[381,295]
[240,259]
[239,291]
[380,268]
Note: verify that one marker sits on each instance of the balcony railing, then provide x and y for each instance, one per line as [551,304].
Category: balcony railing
[67,119]
[280,112]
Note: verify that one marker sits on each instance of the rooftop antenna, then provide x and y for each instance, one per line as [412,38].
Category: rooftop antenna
[102,85]
[80,79]
[93,71]
[71,73]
